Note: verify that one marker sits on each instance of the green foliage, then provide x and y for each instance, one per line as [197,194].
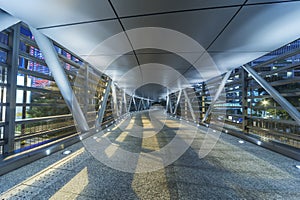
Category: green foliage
[47,99]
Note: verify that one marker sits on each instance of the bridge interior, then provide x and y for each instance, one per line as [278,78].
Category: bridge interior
[137,99]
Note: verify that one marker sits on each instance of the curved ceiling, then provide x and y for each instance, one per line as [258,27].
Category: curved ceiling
[231,33]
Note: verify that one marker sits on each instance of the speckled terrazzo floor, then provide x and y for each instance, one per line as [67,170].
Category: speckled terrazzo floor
[231,170]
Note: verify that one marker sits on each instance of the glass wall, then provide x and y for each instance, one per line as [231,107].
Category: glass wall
[28,89]
[245,106]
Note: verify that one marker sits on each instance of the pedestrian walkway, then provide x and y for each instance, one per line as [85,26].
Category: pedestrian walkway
[231,170]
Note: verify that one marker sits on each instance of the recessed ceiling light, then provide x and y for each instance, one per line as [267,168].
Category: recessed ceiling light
[108,129]
[226,131]
[241,141]
[259,143]
[66,152]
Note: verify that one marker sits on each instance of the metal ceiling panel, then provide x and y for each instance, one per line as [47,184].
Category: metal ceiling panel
[260,28]
[265,1]
[203,26]
[229,60]
[144,7]
[166,58]
[85,39]
[57,12]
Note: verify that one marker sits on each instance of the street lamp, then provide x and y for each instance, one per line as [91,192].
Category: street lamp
[265,102]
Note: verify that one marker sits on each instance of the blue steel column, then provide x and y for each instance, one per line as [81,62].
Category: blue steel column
[293,112]
[12,71]
[59,75]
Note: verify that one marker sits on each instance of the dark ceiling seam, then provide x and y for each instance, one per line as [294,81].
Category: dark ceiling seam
[76,23]
[207,8]
[137,60]
[227,24]
[163,13]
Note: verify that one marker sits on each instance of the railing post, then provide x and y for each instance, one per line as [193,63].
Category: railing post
[244,80]
[12,71]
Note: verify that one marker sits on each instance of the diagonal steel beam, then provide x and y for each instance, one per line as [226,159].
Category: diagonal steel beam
[189,104]
[217,95]
[102,107]
[140,104]
[129,105]
[125,101]
[293,112]
[115,101]
[59,75]
[134,103]
[178,101]
[143,103]
[167,104]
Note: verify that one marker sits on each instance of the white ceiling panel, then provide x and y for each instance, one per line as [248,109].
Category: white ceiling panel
[142,7]
[260,28]
[56,12]
[203,26]
[264,1]
[86,39]
[6,20]
[227,60]
[123,63]
[118,63]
